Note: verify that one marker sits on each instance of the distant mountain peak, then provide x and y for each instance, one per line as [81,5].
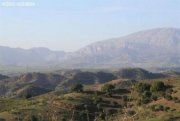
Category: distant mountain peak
[154,47]
[150,48]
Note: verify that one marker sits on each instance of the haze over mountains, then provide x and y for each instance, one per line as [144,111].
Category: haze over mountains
[151,48]
[19,56]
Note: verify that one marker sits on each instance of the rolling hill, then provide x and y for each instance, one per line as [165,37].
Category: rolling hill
[138,74]
[138,102]
[40,83]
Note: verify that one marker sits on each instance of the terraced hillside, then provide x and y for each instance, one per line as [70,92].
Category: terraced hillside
[35,97]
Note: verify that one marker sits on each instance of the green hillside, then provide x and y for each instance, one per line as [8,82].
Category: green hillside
[35,97]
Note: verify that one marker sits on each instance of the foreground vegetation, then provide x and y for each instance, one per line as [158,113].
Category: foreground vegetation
[116,100]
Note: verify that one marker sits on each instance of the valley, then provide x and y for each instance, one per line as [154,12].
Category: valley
[89,60]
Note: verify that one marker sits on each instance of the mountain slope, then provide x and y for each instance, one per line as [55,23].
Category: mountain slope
[156,47]
[150,48]
[33,56]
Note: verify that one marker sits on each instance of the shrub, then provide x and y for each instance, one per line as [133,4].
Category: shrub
[175,98]
[139,102]
[145,100]
[125,98]
[154,97]
[147,94]
[30,118]
[26,95]
[34,118]
[159,108]
[131,112]
[77,88]
[169,91]
[168,97]
[63,119]
[157,86]
[175,91]
[173,109]
[152,107]
[141,87]
[97,100]
[1,119]
[108,88]
[102,115]
[166,108]
[177,101]
[111,111]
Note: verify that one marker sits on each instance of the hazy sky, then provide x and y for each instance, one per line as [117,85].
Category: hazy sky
[71,24]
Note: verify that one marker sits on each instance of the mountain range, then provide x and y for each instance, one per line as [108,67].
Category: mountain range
[150,48]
